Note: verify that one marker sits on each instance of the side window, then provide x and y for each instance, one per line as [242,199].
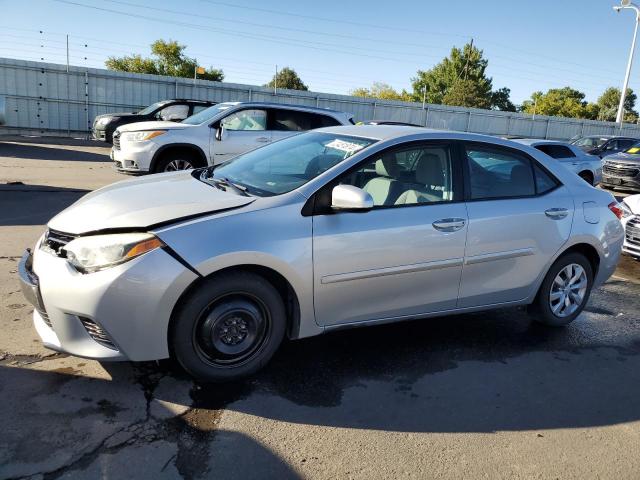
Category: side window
[556,151]
[320,121]
[498,173]
[626,144]
[290,120]
[407,176]
[174,112]
[544,181]
[246,120]
[199,108]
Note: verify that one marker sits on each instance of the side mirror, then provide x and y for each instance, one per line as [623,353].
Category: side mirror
[348,197]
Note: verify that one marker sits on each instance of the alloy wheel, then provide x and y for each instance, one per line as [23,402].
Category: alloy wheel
[568,290]
[175,165]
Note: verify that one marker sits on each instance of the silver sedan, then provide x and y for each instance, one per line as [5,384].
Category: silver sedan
[333,228]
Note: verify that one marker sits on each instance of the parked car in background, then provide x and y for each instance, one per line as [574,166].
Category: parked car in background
[214,135]
[332,228]
[588,167]
[603,145]
[622,170]
[631,222]
[167,110]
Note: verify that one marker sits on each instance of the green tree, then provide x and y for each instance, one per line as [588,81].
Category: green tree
[458,79]
[167,58]
[382,91]
[560,102]
[500,100]
[608,105]
[287,78]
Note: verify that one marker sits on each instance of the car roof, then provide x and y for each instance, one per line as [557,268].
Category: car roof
[191,100]
[285,105]
[538,141]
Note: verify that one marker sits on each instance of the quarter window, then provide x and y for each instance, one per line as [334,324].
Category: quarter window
[297,121]
[544,181]
[408,176]
[499,174]
[246,120]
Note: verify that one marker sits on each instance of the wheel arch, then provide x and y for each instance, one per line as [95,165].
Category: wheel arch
[282,285]
[175,147]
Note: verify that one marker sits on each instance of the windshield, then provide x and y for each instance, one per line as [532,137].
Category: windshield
[151,108]
[206,114]
[592,142]
[286,165]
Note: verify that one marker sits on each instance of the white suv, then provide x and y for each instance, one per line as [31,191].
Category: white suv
[214,135]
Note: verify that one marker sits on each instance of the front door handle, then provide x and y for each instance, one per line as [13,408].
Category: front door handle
[449,225]
[556,213]
[262,139]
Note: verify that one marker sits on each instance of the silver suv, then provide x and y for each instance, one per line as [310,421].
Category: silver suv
[333,228]
[213,135]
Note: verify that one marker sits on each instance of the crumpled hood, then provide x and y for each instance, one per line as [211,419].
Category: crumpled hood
[144,202]
[141,126]
[634,203]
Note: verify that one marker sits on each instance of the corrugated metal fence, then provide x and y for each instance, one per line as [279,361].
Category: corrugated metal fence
[46,99]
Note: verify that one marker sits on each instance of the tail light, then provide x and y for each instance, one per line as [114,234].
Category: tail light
[616,209]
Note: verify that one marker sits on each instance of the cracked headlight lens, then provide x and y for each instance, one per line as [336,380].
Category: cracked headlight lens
[93,253]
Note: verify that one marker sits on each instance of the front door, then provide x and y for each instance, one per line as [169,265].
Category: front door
[242,131]
[401,258]
[519,217]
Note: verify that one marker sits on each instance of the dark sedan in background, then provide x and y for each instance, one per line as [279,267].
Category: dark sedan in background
[172,110]
[603,145]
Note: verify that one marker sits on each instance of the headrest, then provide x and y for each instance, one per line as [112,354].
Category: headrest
[386,166]
[429,170]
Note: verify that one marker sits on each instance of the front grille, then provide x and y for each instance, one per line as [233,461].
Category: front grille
[632,231]
[620,169]
[116,141]
[55,241]
[96,332]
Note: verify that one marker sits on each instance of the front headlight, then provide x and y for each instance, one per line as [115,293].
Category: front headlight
[92,253]
[141,136]
[104,121]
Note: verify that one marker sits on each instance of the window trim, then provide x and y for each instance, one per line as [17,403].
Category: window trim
[312,208]
[511,151]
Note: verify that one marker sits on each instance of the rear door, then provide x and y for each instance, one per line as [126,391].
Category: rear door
[242,131]
[519,217]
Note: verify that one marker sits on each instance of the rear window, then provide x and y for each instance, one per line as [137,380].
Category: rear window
[556,151]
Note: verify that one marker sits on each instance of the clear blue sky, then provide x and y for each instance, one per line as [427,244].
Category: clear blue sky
[336,46]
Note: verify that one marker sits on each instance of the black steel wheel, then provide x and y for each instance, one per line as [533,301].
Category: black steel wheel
[229,327]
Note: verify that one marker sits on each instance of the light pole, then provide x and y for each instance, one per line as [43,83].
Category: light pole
[623,93]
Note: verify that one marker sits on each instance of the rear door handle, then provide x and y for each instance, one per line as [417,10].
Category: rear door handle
[262,139]
[556,213]
[449,224]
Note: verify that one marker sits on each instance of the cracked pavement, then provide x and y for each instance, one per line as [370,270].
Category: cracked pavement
[480,395]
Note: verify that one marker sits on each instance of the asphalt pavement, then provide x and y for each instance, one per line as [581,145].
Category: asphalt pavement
[489,395]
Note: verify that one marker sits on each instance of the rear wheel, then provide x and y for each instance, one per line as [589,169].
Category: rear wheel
[174,162]
[564,291]
[229,328]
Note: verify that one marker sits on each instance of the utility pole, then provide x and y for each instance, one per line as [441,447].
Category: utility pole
[67,53]
[424,96]
[275,82]
[623,93]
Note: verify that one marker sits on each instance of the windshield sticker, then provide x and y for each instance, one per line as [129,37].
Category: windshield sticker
[634,150]
[347,147]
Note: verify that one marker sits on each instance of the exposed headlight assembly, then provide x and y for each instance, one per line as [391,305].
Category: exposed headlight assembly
[97,252]
[104,121]
[141,136]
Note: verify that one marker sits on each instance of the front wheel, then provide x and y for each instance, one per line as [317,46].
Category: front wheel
[564,291]
[229,328]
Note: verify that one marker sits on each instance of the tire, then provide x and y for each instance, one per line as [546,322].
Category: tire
[544,307]
[229,327]
[175,162]
[587,177]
